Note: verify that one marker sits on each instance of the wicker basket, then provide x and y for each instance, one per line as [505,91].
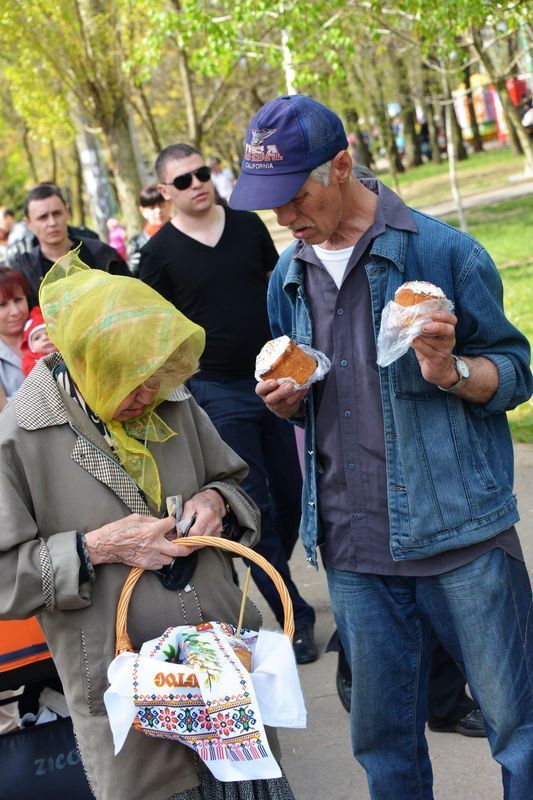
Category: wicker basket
[123,643]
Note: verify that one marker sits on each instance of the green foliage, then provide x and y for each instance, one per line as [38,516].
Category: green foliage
[14,175]
[217,36]
[171,653]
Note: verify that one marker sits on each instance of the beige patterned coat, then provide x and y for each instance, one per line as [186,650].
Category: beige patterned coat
[58,476]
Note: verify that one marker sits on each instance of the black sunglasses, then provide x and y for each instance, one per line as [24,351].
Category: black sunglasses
[184,181]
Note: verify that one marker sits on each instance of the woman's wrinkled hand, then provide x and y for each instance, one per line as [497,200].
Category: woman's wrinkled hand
[210,510]
[135,540]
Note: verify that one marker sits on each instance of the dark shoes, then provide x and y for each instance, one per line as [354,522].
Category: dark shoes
[343,678]
[470,725]
[344,689]
[305,650]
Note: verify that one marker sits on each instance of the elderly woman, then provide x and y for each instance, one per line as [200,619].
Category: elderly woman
[14,293]
[90,447]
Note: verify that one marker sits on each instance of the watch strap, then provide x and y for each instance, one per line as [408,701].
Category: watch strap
[458,384]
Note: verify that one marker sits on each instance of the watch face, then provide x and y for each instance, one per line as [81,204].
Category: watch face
[462,368]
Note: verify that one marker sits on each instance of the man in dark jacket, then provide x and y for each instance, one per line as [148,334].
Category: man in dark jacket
[46,214]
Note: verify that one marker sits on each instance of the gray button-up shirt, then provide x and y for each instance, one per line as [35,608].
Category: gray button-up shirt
[352,483]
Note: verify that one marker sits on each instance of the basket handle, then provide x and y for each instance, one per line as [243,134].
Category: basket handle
[123,642]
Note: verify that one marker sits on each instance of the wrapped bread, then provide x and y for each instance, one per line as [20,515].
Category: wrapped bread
[283,358]
[403,319]
[413,292]
[243,653]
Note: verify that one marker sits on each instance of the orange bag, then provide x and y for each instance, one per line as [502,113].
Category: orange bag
[21,642]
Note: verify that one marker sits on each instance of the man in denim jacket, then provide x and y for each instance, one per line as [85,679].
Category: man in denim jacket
[409,469]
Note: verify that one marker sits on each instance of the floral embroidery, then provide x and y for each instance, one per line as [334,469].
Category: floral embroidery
[168,718]
[219,718]
[223,724]
[204,720]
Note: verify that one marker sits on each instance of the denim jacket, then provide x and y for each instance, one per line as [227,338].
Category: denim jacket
[449,462]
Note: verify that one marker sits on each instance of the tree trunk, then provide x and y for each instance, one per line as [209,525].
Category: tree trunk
[429,115]
[449,113]
[413,154]
[125,170]
[436,157]
[94,176]
[389,141]
[477,141]
[150,122]
[514,141]
[53,159]
[511,112]
[195,134]
[429,107]
[29,154]
[77,206]
[287,58]
[363,155]
[457,133]
[143,173]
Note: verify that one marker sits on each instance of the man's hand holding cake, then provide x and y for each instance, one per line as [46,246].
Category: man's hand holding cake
[285,371]
[420,316]
[434,346]
[417,306]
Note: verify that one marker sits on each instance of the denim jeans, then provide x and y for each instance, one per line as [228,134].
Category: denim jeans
[481,613]
[274,481]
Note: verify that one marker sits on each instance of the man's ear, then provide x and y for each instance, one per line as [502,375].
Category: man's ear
[343,164]
[162,189]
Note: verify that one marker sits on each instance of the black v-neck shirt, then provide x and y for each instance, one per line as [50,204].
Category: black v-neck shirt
[222,288]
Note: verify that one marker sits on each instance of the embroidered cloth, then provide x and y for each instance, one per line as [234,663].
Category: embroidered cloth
[190,686]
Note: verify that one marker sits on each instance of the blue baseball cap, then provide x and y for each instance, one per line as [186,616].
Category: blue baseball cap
[286,140]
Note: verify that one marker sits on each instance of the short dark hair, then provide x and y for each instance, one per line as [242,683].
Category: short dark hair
[150,196]
[41,192]
[11,280]
[173,152]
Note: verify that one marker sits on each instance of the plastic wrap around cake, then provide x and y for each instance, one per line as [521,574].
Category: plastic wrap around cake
[403,318]
[283,360]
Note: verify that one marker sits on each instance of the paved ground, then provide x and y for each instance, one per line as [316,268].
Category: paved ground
[318,760]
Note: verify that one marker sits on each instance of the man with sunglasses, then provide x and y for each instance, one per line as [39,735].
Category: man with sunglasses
[213,264]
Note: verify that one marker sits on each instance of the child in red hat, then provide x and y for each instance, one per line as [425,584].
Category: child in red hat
[35,342]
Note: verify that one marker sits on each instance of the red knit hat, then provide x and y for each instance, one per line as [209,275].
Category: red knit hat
[29,356]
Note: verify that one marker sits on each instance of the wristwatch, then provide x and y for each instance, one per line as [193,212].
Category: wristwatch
[462,370]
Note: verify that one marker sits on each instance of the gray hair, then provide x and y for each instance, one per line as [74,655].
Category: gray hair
[321,173]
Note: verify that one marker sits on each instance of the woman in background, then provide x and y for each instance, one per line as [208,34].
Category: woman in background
[14,312]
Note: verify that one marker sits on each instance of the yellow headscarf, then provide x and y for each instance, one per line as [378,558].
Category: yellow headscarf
[114,333]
